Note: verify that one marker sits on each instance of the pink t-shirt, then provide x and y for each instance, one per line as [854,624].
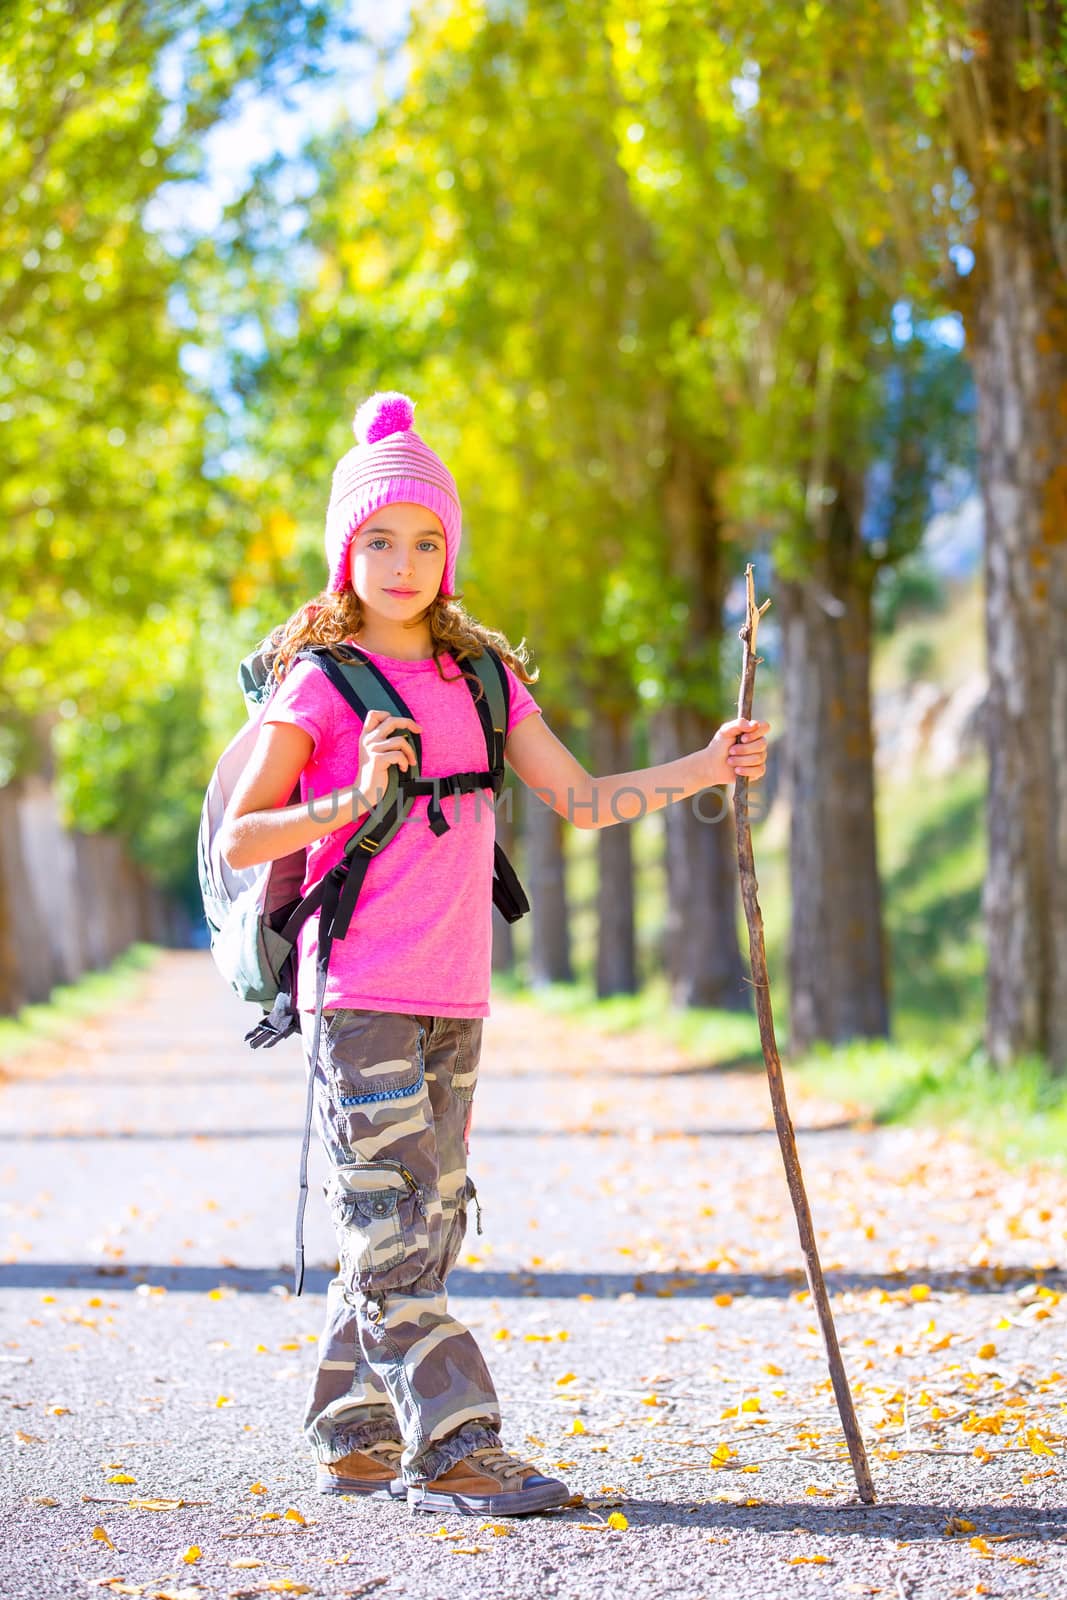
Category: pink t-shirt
[420,940]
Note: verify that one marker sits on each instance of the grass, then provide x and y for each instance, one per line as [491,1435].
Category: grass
[1017,1115]
[94,992]
[704,1034]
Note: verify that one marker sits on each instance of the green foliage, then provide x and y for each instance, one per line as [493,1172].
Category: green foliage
[115,532]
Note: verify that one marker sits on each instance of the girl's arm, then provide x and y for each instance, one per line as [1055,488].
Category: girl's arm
[259,825]
[546,765]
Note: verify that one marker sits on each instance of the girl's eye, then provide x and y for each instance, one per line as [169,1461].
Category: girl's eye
[424,544]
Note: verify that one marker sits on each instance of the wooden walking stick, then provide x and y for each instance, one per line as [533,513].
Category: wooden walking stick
[786,1139]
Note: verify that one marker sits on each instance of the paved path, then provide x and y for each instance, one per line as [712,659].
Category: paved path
[637,1291]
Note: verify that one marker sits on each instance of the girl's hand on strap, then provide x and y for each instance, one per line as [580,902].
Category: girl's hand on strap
[381,746]
[738,750]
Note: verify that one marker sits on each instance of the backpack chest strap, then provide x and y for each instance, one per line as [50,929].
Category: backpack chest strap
[455,783]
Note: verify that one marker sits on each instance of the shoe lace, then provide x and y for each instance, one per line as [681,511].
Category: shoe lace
[502,1462]
[390,1450]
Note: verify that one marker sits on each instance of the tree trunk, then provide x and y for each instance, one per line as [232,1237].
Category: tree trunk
[702,955]
[837,960]
[702,950]
[611,749]
[40,911]
[14,895]
[550,955]
[1019,333]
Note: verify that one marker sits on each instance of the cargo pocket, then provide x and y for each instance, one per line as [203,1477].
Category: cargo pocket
[376,1073]
[380,1219]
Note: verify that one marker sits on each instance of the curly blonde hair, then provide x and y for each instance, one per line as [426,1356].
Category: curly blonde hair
[331,619]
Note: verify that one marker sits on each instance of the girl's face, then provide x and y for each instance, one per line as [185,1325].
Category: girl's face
[397,560]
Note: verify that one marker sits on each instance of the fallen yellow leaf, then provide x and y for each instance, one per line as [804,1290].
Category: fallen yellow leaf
[257,1487]
[568,1377]
[986,1352]
[103,1536]
[809,1561]
[919,1291]
[617,1520]
[121,1477]
[192,1554]
[293,1515]
[577,1426]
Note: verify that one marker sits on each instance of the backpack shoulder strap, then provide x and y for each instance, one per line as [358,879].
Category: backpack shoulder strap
[493,705]
[363,686]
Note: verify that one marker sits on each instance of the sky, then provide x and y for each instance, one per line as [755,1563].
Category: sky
[266,125]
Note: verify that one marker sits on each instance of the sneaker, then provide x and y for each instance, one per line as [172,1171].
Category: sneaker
[490,1482]
[372,1471]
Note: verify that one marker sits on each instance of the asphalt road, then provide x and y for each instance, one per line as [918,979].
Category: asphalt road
[637,1292]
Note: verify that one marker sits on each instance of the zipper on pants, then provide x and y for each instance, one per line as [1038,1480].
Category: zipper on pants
[477,1207]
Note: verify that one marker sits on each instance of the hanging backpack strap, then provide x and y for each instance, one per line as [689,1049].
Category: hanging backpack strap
[322,962]
[493,706]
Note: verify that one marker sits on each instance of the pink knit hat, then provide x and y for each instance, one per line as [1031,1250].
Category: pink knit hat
[389,462]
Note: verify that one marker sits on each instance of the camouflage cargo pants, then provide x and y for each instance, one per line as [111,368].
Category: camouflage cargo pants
[393,1097]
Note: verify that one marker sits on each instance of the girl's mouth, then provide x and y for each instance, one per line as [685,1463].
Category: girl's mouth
[402,594]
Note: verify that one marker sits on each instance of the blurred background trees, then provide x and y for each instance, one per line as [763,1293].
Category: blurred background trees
[674,287]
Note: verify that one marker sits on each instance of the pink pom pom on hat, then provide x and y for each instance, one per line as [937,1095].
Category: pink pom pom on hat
[388,463]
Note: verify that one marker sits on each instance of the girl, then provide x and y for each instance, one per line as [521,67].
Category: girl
[402,1403]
